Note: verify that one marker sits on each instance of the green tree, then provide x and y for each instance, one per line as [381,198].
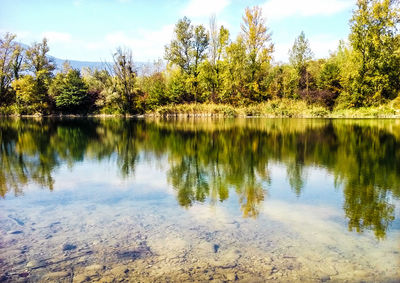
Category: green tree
[300,56]
[27,94]
[256,36]
[125,80]
[187,51]
[35,98]
[18,58]
[153,84]
[70,92]
[235,75]
[329,78]
[213,68]
[179,51]
[259,50]
[37,58]
[10,65]
[200,44]
[374,38]
[283,82]
[176,88]
[100,88]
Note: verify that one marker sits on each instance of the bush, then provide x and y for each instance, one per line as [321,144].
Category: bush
[322,97]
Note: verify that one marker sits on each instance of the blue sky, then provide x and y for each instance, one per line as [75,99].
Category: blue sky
[89,30]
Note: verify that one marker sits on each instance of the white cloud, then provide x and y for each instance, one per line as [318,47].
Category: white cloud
[118,38]
[323,45]
[281,51]
[23,36]
[94,45]
[145,44]
[57,37]
[204,8]
[280,9]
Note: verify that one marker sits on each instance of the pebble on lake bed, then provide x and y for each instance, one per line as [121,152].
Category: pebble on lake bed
[33,263]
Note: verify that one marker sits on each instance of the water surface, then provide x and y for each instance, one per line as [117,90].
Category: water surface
[199,200]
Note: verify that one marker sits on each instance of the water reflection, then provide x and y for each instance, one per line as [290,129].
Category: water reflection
[210,159]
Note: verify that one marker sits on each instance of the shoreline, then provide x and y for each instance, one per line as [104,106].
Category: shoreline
[195,115]
[282,108]
[203,115]
[274,108]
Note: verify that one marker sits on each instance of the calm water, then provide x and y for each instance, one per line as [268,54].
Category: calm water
[197,200]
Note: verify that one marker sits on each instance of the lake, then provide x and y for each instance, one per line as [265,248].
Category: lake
[158,200]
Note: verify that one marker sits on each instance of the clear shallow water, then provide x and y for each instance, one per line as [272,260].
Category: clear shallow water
[198,200]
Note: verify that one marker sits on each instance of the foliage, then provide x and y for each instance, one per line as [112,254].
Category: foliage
[31,94]
[374,38]
[282,82]
[300,54]
[125,80]
[32,89]
[259,50]
[10,66]
[69,91]
[206,66]
[212,70]
[100,90]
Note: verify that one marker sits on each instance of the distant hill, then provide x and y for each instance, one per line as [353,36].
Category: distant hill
[80,64]
[75,64]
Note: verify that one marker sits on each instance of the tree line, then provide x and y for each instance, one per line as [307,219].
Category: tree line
[207,66]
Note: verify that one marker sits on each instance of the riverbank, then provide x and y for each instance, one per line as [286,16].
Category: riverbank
[282,108]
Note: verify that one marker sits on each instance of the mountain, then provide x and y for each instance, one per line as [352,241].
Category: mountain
[139,66]
[75,64]
[80,64]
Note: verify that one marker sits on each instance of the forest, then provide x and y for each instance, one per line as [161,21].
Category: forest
[205,70]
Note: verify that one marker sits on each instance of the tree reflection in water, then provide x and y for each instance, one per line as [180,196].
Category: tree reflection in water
[209,159]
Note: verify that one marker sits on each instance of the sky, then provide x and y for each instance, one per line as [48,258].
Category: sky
[90,30]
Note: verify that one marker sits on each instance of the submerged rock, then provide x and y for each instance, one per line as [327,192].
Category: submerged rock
[81,278]
[33,263]
[55,276]
[4,277]
[325,278]
[95,267]
[15,232]
[18,221]
[24,274]
[69,247]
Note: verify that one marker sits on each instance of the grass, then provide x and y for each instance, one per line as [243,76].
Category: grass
[279,108]
[382,111]
[272,108]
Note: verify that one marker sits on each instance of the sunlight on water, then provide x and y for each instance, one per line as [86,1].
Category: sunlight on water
[198,200]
